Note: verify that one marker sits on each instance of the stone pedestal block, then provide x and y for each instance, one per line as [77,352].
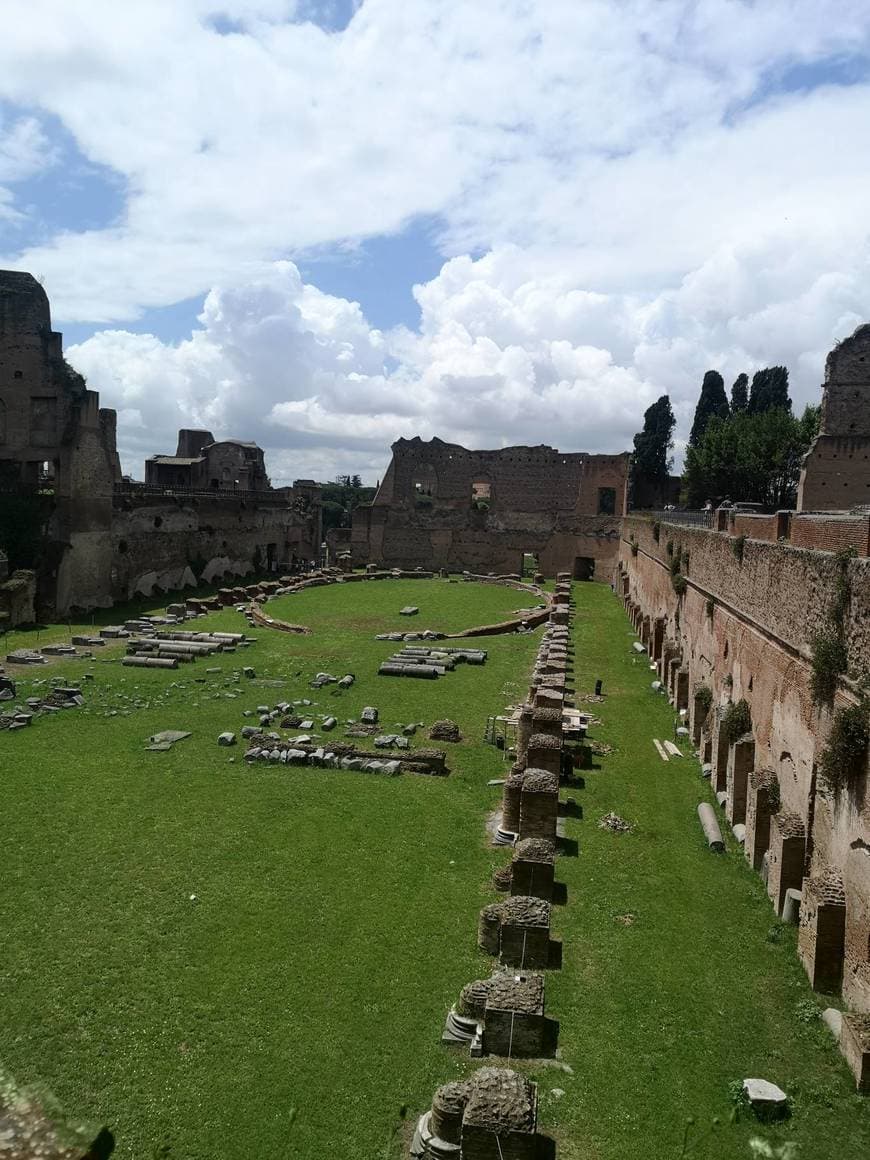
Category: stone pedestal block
[855,1046]
[761,803]
[539,805]
[518,930]
[513,1018]
[785,857]
[533,868]
[524,731]
[741,762]
[821,938]
[510,799]
[545,752]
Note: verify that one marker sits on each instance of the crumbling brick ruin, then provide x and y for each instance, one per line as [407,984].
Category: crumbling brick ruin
[92,538]
[443,506]
[744,629]
[836,471]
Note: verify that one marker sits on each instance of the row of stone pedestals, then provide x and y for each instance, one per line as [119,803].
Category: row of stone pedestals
[775,841]
[494,1112]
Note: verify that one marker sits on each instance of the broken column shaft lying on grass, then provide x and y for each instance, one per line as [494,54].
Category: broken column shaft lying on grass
[710,826]
[150,662]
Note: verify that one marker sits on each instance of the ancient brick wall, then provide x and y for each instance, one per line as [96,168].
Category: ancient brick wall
[107,543]
[831,533]
[758,527]
[836,472]
[443,506]
[744,629]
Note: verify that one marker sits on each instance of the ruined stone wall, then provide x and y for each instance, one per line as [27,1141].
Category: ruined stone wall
[169,543]
[532,499]
[758,527]
[831,533]
[836,472]
[744,629]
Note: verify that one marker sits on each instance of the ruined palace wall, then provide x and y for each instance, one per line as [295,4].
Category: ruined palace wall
[482,542]
[836,469]
[167,545]
[526,479]
[537,499]
[785,590]
[754,643]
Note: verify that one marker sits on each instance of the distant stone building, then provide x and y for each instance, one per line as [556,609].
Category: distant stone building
[443,506]
[202,462]
[93,538]
[836,471]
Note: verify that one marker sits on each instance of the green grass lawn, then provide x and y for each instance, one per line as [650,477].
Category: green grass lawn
[298,1001]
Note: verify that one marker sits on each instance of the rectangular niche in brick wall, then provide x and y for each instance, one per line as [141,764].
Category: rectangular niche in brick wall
[741,762]
[821,938]
[786,858]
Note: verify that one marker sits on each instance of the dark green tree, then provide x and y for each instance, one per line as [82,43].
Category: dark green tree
[339,498]
[740,394]
[712,401]
[652,445]
[769,391]
[750,458]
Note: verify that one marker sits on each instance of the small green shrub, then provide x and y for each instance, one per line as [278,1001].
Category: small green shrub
[737,1094]
[806,1011]
[843,758]
[704,698]
[634,546]
[685,562]
[738,546]
[736,721]
[679,583]
[775,932]
[669,547]
[829,660]
[656,530]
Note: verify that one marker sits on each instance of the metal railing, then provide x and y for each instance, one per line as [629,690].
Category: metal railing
[696,519]
[150,490]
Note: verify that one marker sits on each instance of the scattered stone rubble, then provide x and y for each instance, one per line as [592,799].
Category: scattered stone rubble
[21,715]
[430,663]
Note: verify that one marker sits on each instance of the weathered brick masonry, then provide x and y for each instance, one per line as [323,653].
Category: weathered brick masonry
[443,506]
[744,628]
[106,539]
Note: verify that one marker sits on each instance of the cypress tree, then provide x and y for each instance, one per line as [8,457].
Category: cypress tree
[653,444]
[740,394]
[769,390]
[712,401]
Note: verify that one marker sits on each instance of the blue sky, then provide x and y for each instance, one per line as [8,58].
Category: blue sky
[596,202]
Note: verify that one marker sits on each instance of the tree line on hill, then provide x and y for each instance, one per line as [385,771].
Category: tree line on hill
[747,449]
